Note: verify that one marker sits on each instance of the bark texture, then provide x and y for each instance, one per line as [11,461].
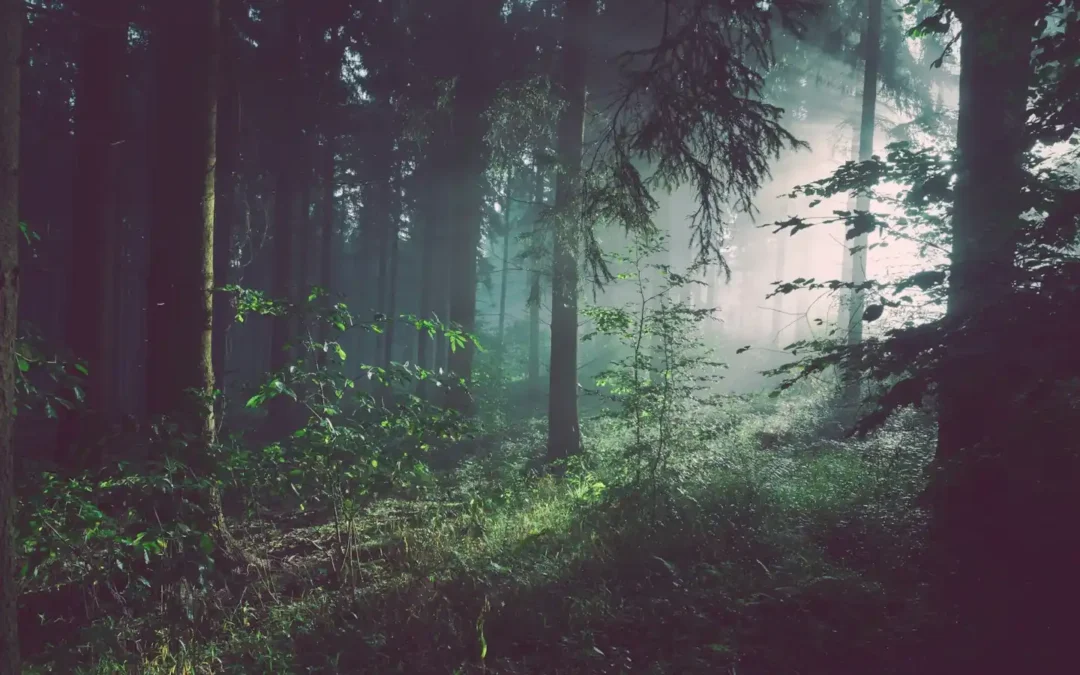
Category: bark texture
[11,31]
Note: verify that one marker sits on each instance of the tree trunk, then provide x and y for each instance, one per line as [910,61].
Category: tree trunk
[226,211]
[101,125]
[391,286]
[534,290]
[505,276]
[287,186]
[1002,539]
[428,278]
[326,229]
[11,25]
[181,279]
[780,319]
[564,432]
[852,392]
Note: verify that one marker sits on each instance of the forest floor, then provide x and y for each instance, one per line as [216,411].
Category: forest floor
[799,558]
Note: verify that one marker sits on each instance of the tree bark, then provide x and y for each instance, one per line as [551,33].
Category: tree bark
[11,25]
[564,431]
[181,279]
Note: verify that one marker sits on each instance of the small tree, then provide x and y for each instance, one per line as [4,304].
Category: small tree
[665,367]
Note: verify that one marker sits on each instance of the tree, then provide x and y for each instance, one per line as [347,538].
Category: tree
[228,185]
[11,25]
[855,254]
[564,432]
[979,497]
[181,279]
[101,125]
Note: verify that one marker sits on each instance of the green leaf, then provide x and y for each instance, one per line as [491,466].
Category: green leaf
[206,543]
[24,365]
[339,351]
[82,368]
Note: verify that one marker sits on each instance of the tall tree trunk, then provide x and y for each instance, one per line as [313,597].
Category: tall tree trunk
[226,208]
[504,281]
[534,289]
[780,319]
[564,431]
[852,391]
[425,347]
[382,237]
[100,127]
[287,185]
[391,286]
[1003,539]
[181,279]
[12,14]
[327,239]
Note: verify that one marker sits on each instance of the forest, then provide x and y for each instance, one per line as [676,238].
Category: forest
[732,337]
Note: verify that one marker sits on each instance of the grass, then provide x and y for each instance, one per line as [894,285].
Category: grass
[800,558]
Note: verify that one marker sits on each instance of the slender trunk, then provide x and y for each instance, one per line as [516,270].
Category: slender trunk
[181,279]
[228,156]
[779,319]
[505,276]
[12,14]
[287,187]
[872,43]
[327,240]
[391,292]
[534,290]
[856,250]
[564,432]
[382,281]
[429,243]
[100,128]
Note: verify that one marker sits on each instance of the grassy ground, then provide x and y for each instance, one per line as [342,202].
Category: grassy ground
[765,550]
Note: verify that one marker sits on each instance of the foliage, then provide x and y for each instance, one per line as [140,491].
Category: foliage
[666,367]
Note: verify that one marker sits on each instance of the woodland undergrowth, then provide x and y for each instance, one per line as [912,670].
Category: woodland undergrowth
[765,549]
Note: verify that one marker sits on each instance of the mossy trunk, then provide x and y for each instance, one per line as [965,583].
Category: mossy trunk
[181,278]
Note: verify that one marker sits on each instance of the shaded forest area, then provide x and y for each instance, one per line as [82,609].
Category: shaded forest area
[539,336]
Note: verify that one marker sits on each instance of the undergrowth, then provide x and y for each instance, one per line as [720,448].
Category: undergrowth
[767,550]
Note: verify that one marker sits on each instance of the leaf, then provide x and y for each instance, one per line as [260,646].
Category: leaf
[339,351]
[206,543]
[873,313]
[82,368]
[741,350]
[24,365]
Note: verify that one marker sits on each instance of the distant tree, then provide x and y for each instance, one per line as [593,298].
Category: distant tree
[11,31]
[101,126]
